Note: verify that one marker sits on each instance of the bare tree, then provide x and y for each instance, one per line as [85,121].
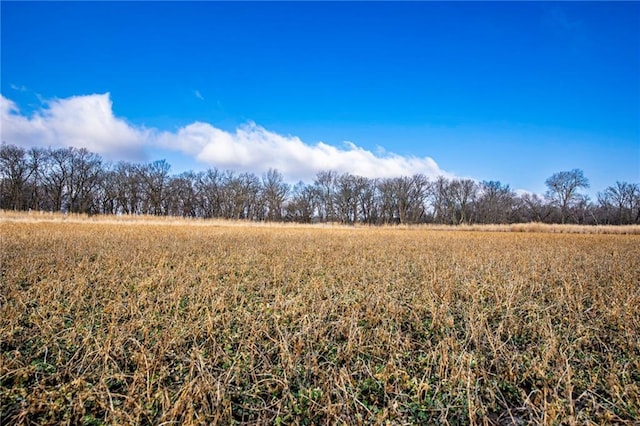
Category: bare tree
[240,195]
[462,192]
[419,191]
[495,203]
[107,193]
[155,178]
[37,161]
[367,199]
[129,188]
[403,199]
[563,189]
[181,195]
[346,198]
[325,184]
[623,198]
[533,208]
[85,171]
[303,203]
[210,187]
[440,200]
[274,194]
[56,177]
[387,202]
[14,173]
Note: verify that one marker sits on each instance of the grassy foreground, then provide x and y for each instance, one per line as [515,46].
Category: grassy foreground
[133,323]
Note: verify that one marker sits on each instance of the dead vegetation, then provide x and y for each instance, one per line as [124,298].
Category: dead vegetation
[116,323]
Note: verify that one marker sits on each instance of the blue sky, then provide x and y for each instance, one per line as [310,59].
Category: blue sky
[491,91]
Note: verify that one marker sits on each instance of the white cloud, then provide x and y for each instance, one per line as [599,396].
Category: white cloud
[253,148]
[88,121]
[79,121]
[198,95]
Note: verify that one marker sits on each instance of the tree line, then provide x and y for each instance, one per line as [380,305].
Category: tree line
[75,180]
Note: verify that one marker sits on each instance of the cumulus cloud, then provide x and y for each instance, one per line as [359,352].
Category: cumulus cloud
[254,148]
[88,121]
[79,121]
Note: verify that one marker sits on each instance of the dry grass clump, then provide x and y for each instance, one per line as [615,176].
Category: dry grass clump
[575,229]
[116,323]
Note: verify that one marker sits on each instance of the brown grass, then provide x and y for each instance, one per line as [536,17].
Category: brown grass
[117,323]
[48,217]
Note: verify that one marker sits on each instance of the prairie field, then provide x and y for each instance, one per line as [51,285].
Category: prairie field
[196,322]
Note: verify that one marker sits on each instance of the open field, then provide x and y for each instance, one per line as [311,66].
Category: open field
[112,322]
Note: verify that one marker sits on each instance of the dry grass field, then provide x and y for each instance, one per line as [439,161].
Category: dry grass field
[178,322]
